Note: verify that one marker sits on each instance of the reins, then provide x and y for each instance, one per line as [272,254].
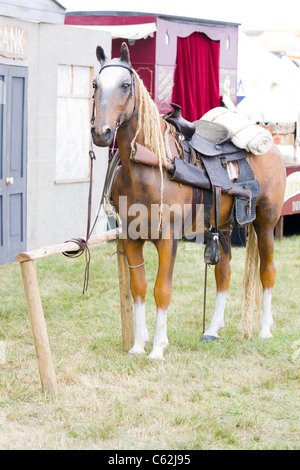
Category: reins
[81,242]
[113,162]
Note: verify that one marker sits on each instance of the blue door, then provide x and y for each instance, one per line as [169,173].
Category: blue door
[13,159]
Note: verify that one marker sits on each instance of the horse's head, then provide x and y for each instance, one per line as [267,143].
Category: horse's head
[114,96]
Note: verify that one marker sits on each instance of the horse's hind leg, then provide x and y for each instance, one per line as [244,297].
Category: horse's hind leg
[138,287]
[265,237]
[162,292]
[270,172]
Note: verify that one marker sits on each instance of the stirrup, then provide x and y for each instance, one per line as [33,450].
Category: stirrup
[212,253]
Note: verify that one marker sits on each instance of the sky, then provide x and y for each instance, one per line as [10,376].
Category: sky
[253,14]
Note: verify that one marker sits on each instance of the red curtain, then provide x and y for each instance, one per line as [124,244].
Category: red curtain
[196,79]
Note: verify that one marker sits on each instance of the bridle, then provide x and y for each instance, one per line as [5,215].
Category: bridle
[132,93]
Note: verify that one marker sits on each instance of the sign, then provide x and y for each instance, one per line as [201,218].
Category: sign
[13,41]
[228,80]
[283,133]
[292,191]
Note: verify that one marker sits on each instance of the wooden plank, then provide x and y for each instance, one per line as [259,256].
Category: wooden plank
[67,246]
[38,325]
[125,298]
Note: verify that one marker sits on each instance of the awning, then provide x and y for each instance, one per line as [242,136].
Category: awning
[132,31]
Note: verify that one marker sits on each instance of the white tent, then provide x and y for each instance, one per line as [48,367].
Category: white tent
[271,85]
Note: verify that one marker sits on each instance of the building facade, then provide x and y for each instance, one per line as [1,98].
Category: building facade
[154,41]
[46,74]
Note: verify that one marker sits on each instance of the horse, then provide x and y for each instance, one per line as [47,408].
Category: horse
[123,109]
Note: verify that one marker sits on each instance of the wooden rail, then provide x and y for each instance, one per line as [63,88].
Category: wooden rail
[67,246]
[35,309]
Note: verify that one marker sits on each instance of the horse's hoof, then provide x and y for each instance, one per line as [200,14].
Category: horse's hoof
[265,334]
[157,353]
[208,339]
[137,350]
[156,357]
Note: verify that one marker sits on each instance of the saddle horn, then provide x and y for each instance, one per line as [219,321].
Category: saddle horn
[182,125]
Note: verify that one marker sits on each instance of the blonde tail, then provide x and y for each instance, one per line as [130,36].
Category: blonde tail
[251,284]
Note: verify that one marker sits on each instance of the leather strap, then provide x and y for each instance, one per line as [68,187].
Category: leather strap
[131,94]
[216,201]
[83,246]
[117,64]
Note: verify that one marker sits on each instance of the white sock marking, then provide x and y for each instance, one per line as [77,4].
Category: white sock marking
[160,342]
[217,321]
[266,318]
[141,333]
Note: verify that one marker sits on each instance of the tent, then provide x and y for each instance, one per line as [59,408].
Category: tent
[271,85]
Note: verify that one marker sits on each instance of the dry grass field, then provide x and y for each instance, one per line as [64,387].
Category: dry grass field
[231,394]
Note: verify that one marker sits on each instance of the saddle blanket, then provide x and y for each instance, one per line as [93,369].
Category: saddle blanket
[246,134]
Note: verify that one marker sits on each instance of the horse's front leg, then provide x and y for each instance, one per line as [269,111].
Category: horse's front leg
[222,276]
[162,292]
[138,286]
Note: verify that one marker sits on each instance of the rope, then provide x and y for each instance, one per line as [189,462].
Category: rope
[124,254]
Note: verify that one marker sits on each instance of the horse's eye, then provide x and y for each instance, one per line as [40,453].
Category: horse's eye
[94,84]
[125,85]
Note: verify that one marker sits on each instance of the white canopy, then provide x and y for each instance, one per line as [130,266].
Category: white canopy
[131,32]
[271,84]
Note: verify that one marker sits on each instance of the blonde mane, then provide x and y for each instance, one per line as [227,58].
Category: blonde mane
[149,117]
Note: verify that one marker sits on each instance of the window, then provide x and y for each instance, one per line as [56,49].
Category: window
[73,122]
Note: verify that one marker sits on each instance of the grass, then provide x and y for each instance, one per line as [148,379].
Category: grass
[230,394]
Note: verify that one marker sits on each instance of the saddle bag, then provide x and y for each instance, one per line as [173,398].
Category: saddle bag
[244,208]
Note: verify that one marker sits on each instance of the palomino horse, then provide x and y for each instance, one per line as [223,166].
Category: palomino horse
[123,107]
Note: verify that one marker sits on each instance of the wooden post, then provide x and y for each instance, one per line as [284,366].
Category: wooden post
[125,298]
[35,308]
[38,325]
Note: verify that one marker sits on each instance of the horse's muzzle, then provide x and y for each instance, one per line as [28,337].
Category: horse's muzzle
[102,138]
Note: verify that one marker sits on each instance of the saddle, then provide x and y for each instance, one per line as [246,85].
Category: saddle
[198,154]
[211,142]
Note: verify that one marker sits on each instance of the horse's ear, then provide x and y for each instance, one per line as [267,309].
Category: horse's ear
[125,56]
[100,54]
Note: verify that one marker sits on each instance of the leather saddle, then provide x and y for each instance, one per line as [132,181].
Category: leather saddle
[213,146]
[211,141]
[208,138]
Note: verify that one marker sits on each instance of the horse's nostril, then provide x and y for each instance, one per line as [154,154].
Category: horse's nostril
[102,136]
[106,132]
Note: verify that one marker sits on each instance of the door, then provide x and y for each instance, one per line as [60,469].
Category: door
[196,78]
[13,159]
